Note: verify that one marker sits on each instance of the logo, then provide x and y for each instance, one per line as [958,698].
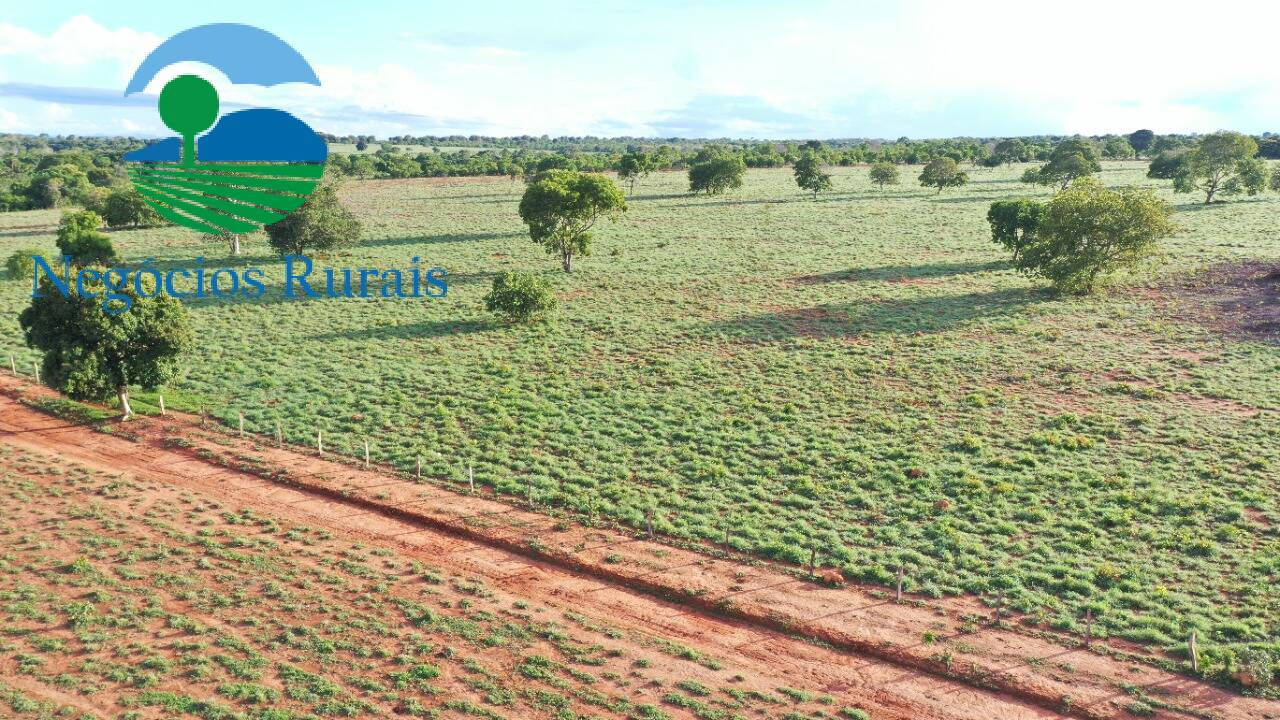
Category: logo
[236,172]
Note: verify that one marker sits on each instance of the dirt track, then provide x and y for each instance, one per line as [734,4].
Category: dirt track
[726,609]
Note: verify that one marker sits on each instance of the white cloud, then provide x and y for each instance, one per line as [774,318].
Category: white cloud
[79,41]
[9,121]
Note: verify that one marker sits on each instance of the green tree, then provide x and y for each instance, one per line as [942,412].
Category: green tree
[1118,148]
[562,206]
[1275,180]
[95,348]
[322,223]
[1014,222]
[79,239]
[809,175]
[943,173]
[520,297]
[883,173]
[1088,232]
[1072,158]
[1224,162]
[717,174]
[1168,165]
[1010,151]
[125,207]
[634,166]
[1140,141]
[21,264]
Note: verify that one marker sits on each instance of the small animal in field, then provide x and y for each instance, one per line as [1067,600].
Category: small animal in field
[832,577]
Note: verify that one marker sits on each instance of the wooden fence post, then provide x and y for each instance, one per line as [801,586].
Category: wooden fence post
[37,369]
[471,477]
[1088,626]
[13,365]
[999,606]
[813,560]
[902,574]
[161,406]
[648,516]
[279,435]
[366,453]
[418,472]
[319,442]
[241,424]
[1195,654]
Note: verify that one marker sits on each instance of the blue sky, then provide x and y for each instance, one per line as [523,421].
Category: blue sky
[920,68]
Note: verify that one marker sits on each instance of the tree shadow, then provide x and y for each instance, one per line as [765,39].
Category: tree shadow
[968,198]
[440,239]
[897,272]
[51,230]
[410,331]
[910,316]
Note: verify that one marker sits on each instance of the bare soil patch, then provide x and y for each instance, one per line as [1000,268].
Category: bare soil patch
[1236,299]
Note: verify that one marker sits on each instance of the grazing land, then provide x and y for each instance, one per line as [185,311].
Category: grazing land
[861,375]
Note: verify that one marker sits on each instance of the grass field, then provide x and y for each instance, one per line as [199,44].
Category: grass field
[862,374]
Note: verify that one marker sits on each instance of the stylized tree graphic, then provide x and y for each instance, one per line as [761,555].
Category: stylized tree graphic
[188,106]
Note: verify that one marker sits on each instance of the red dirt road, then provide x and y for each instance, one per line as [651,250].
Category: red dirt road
[730,610]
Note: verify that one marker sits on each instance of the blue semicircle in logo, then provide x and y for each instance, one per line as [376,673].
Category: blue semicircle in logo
[246,54]
[258,135]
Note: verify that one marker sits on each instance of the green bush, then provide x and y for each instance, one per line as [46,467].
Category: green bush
[79,239]
[520,297]
[320,224]
[717,174]
[125,207]
[21,264]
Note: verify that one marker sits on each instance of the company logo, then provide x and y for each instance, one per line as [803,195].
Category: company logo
[236,172]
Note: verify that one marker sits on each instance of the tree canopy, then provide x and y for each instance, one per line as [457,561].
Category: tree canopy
[91,353]
[809,175]
[716,174]
[943,173]
[883,173]
[562,206]
[1072,158]
[80,240]
[1224,162]
[322,223]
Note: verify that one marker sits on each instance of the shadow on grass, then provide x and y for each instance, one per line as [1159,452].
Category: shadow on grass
[968,198]
[440,239]
[410,331]
[897,272]
[925,315]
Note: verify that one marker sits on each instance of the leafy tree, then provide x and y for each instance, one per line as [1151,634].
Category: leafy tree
[21,264]
[520,297]
[1118,148]
[79,239]
[717,174]
[1014,223]
[1140,141]
[126,207]
[95,348]
[943,173]
[56,186]
[322,223]
[1275,180]
[1010,151]
[1224,162]
[883,173]
[1072,158]
[809,175]
[561,208]
[1168,165]
[1088,232]
[632,167]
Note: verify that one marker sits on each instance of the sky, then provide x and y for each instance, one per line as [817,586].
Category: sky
[656,68]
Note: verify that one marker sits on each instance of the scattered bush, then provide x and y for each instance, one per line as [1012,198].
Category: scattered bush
[21,264]
[943,173]
[125,207]
[717,174]
[520,297]
[883,173]
[320,224]
[79,239]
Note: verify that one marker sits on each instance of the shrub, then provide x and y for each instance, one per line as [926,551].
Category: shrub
[883,173]
[717,174]
[125,207]
[79,239]
[520,297]
[21,264]
[943,173]
[320,224]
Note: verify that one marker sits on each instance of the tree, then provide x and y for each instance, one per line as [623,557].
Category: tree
[562,206]
[1168,165]
[809,175]
[1088,232]
[520,297]
[1117,148]
[95,348]
[943,173]
[1224,162]
[79,239]
[717,174]
[1275,180]
[632,167]
[1072,158]
[1140,141]
[1014,222]
[883,173]
[1010,151]
[21,264]
[322,223]
[126,207]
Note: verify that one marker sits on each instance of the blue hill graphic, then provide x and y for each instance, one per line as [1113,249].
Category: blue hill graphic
[258,135]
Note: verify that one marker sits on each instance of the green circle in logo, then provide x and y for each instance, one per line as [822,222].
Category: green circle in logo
[188,105]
